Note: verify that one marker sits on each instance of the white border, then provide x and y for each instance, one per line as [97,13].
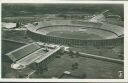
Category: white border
[77,80]
[0,41]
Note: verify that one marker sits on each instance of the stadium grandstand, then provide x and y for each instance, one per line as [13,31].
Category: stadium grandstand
[79,32]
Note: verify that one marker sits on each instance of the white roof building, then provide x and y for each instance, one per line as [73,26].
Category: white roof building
[8,25]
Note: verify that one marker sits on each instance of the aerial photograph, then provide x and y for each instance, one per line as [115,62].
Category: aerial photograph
[62,41]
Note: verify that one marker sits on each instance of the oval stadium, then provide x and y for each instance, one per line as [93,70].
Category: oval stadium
[81,33]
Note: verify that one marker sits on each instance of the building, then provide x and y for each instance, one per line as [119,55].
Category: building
[33,54]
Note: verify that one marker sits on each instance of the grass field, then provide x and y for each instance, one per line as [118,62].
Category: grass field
[91,68]
[75,35]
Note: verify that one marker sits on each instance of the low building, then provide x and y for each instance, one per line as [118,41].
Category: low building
[8,25]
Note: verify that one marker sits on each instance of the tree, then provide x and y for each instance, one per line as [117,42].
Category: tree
[71,53]
[75,66]
[77,54]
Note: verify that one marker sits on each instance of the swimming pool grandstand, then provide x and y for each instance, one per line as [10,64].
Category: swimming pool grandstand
[31,53]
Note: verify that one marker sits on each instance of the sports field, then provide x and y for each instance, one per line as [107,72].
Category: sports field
[75,35]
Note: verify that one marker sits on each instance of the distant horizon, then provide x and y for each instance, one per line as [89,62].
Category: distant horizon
[14,9]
